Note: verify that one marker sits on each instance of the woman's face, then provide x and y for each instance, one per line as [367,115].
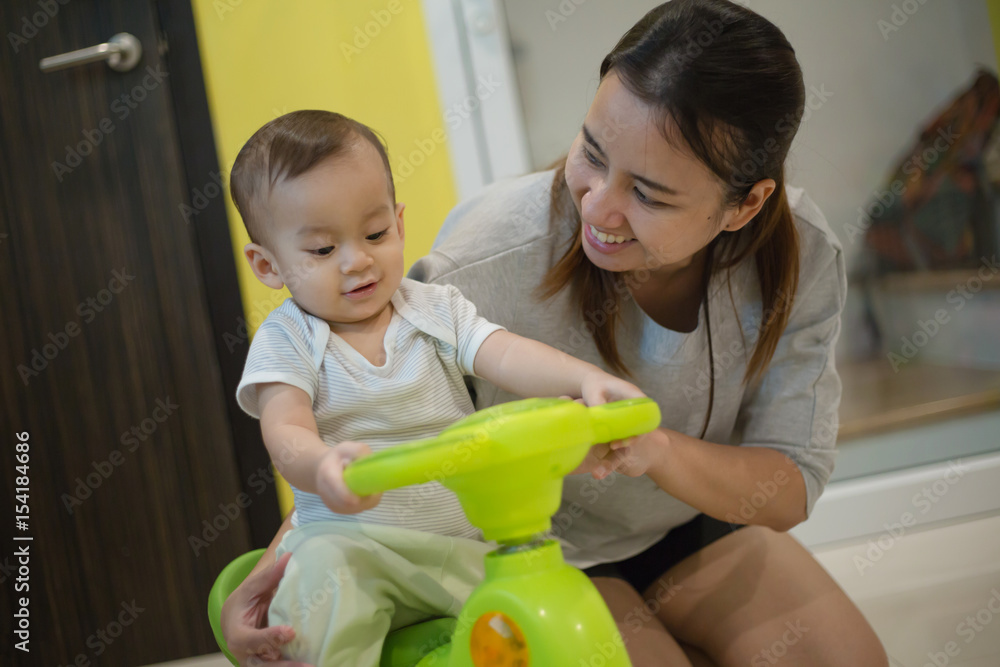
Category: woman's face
[644,203]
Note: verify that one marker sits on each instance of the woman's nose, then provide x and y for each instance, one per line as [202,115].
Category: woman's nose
[600,207]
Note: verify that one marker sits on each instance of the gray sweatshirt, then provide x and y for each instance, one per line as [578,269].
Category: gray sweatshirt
[496,248]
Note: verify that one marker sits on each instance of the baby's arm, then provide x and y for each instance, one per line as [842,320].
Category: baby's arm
[300,455]
[529,368]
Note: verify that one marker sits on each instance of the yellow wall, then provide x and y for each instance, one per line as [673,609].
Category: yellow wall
[993,6]
[369,60]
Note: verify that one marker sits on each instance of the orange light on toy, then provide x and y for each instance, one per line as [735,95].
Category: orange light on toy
[496,641]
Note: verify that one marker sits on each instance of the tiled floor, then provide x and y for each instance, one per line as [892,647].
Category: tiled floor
[926,593]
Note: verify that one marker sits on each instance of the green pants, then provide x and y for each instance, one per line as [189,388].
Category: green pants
[348,585]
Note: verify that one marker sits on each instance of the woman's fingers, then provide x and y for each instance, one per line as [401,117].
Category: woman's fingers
[265,645]
[592,460]
[244,615]
[266,581]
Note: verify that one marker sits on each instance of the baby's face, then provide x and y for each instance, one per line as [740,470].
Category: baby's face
[337,238]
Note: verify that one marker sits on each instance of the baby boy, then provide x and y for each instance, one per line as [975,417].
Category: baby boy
[358,360]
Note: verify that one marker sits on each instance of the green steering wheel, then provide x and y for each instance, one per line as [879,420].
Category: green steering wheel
[506,463]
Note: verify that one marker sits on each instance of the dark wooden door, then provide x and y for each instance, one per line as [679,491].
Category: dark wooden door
[111,366]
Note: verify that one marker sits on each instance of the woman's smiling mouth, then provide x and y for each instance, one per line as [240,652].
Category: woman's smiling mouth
[609,244]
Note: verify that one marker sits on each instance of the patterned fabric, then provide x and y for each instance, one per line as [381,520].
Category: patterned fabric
[430,344]
[936,211]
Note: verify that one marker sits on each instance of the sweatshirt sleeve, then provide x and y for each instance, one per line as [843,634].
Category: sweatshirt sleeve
[793,408]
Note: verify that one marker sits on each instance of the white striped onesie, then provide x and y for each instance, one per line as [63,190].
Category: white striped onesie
[430,344]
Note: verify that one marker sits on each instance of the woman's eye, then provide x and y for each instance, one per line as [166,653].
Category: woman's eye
[591,158]
[377,235]
[644,199]
[324,251]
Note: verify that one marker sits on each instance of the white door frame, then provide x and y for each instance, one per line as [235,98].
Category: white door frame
[477,87]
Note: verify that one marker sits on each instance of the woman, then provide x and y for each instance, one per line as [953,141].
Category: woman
[665,248]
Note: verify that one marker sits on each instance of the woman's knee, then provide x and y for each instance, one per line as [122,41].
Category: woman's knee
[757,593]
[648,643]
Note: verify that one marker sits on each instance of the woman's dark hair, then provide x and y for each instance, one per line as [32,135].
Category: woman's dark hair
[729,81]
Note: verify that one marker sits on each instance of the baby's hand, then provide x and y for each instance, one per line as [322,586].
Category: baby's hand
[330,479]
[599,387]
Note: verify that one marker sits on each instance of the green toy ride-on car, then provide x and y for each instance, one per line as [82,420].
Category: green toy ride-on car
[506,465]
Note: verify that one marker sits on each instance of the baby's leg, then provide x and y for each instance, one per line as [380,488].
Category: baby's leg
[348,585]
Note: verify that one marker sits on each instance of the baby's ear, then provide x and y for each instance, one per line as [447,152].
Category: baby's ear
[399,219]
[263,266]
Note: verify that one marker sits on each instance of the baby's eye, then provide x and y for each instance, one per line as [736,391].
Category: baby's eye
[377,235]
[324,251]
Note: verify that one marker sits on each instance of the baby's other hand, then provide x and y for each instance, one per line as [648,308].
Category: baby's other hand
[599,387]
[330,479]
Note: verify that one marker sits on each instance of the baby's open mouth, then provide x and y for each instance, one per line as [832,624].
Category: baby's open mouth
[363,290]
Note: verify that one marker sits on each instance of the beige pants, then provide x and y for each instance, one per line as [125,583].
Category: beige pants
[348,585]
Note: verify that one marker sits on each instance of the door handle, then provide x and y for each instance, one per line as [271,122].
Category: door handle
[122,52]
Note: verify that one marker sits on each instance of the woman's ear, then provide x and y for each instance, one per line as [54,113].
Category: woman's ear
[263,266]
[751,206]
[399,219]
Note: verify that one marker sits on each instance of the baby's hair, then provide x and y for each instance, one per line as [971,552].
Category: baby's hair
[289,146]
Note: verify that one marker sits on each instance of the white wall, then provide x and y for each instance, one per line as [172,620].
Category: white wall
[882,88]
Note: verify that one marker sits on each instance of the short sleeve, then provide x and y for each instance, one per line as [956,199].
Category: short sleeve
[281,351]
[471,330]
[794,408]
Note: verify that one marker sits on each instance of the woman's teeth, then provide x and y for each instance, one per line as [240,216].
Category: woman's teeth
[607,238]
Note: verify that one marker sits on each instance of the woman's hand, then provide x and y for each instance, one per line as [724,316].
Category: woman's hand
[594,461]
[599,387]
[244,619]
[633,456]
[330,479]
